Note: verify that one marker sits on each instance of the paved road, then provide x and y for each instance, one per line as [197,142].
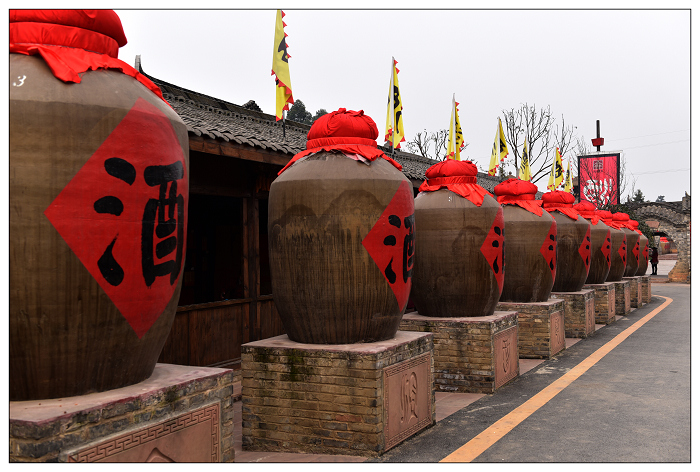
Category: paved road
[632,405]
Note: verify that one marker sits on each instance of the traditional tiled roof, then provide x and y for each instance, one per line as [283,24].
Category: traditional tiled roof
[217,119]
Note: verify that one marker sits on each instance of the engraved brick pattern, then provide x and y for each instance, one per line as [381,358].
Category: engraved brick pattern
[320,401]
[104,450]
[604,304]
[579,312]
[464,350]
[52,440]
[535,327]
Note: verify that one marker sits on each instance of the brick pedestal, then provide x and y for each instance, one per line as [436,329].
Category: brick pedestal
[636,298]
[646,288]
[540,327]
[355,399]
[604,295]
[472,354]
[179,414]
[623,302]
[579,312]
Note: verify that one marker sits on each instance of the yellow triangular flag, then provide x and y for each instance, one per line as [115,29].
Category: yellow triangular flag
[556,176]
[280,69]
[503,147]
[455,141]
[394,120]
[524,171]
[569,179]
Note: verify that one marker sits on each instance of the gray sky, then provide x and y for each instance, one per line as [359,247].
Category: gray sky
[630,69]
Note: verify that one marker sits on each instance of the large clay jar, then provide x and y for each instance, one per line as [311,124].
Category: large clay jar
[643,248]
[622,220]
[459,244]
[573,241]
[601,244]
[99,169]
[341,236]
[618,251]
[530,245]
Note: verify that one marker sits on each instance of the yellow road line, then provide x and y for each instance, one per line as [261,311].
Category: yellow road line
[500,428]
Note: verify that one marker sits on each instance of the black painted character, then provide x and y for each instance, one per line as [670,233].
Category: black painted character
[409,223]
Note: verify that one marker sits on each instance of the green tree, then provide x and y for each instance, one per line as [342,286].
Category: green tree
[319,113]
[660,198]
[299,114]
[638,197]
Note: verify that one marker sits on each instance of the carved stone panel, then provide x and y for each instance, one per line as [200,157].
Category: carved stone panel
[407,399]
[506,355]
[190,437]
[556,333]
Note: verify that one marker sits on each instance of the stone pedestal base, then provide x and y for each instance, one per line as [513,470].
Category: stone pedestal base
[579,313]
[636,299]
[623,302]
[355,399]
[646,288]
[540,327]
[604,295]
[472,354]
[179,414]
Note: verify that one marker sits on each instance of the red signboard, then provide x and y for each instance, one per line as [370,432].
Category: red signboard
[599,179]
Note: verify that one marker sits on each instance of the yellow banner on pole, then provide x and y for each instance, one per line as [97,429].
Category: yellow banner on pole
[394,112]
[280,69]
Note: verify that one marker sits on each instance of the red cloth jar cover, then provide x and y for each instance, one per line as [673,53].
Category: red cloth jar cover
[608,219]
[634,226]
[588,211]
[621,220]
[519,192]
[456,176]
[73,41]
[560,201]
[347,131]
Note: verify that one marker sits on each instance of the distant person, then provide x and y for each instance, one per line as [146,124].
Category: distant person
[654,260]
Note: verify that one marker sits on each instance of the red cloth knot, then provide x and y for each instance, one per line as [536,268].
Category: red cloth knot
[347,131]
[456,176]
[519,192]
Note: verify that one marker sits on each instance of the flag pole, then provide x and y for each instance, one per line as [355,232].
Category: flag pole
[393,112]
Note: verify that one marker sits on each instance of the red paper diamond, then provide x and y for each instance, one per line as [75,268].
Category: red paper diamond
[493,248]
[124,214]
[585,249]
[623,249]
[606,248]
[390,243]
[635,251]
[549,249]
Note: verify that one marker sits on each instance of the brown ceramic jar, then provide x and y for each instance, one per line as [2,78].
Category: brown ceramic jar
[341,236]
[530,244]
[600,244]
[98,206]
[622,219]
[459,244]
[643,249]
[573,241]
[618,251]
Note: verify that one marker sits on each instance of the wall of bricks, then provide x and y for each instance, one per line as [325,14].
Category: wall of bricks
[464,349]
[535,320]
[320,400]
[623,305]
[646,288]
[636,300]
[604,295]
[47,440]
[579,312]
